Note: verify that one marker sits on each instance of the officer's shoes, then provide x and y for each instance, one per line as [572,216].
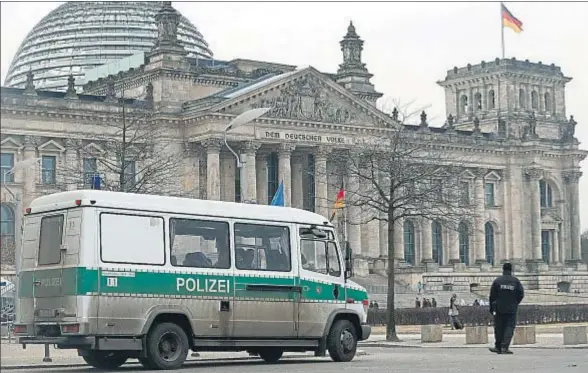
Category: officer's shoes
[507,352]
[495,350]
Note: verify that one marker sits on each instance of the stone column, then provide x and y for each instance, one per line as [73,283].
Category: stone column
[31,174]
[285,170]
[533,176]
[321,185]
[555,247]
[261,178]
[453,243]
[213,147]
[478,233]
[354,215]
[572,179]
[249,149]
[399,240]
[383,236]
[190,178]
[297,181]
[426,241]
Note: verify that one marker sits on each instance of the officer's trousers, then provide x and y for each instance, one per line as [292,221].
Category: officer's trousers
[504,326]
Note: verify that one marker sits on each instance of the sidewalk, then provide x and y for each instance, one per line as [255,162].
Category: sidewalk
[544,341]
[416,329]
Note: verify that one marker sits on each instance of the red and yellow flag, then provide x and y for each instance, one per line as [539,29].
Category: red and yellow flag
[510,21]
[339,202]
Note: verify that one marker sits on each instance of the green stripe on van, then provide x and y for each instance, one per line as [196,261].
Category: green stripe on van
[86,281]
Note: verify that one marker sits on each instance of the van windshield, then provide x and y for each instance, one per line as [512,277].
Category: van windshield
[50,240]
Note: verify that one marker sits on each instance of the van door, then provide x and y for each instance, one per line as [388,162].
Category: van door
[266,281]
[55,276]
[322,280]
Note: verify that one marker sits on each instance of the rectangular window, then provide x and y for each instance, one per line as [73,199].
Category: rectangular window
[464,193]
[50,240]
[199,243]
[489,194]
[132,239]
[48,167]
[272,176]
[130,175]
[90,170]
[320,257]
[7,163]
[262,247]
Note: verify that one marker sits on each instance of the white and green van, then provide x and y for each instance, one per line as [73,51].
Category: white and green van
[119,276]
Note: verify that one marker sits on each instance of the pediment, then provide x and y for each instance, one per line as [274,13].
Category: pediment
[10,143]
[51,146]
[93,149]
[467,174]
[493,176]
[304,95]
[550,215]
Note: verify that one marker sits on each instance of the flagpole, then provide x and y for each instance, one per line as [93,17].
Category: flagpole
[501,30]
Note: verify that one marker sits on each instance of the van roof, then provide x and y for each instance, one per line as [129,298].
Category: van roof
[165,204]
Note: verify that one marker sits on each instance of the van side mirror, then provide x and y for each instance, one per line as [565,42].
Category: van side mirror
[348,261]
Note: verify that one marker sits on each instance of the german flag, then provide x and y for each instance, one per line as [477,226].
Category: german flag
[339,202]
[510,21]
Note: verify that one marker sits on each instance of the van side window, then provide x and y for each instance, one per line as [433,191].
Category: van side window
[132,239]
[199,243]
[51,240]
[262,247]
[320,257]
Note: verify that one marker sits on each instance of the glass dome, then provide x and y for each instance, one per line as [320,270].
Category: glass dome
[78,36]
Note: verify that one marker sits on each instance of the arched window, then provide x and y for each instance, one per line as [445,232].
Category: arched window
[522,99]
[491,100]
[464,104]
[547,98]
[534,100]
[489,242]
[546,194]
[409,242]
[478,101]
[464,243]
[437,240]
[7,227]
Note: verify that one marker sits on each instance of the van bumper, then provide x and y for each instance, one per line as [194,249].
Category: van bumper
[70,342]
[366,331]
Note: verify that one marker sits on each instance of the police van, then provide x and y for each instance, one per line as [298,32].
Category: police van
[119,276]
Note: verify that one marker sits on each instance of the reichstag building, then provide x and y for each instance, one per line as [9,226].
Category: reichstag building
[89,64]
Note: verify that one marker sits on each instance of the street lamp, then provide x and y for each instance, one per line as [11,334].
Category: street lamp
[240,120]
[18,216]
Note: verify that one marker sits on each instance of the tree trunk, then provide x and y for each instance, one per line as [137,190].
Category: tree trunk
[391,323]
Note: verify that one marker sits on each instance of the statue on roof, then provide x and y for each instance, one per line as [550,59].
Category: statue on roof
[30,84]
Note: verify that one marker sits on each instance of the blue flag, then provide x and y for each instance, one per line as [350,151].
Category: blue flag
[278,199]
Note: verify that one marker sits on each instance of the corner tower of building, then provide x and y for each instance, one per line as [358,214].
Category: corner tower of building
[507,89]
[352,73]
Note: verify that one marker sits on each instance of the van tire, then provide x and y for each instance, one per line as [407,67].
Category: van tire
[167,347]
[271,354]
[104,360]
[342,341]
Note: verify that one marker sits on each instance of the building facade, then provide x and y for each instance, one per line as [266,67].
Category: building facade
[507,116]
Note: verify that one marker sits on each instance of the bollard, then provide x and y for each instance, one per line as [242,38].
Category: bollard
[47,358]
[431,333]
[574,335]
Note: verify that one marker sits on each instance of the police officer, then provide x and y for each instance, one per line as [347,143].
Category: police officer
[505,296]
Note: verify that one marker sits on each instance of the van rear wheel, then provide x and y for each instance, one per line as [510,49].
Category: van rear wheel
[167,347]
[342,341]
[271,354]
[104,360]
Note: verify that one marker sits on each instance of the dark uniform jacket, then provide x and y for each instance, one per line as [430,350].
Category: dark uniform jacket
[506,294]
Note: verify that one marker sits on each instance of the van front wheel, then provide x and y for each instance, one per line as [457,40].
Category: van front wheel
[342,341]
[104,360]
[167,347]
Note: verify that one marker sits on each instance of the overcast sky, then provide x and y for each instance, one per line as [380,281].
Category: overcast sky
[408,46]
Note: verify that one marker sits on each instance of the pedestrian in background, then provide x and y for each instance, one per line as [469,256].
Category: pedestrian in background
[506,294]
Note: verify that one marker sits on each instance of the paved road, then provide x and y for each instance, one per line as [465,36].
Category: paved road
[399,360]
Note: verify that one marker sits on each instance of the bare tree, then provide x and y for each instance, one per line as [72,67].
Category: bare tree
[132,153]
[397,176]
